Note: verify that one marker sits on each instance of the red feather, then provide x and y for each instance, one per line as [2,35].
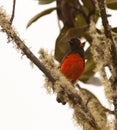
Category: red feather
[73,67]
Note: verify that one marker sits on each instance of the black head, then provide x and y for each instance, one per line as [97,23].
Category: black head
[76,46]
[75,43]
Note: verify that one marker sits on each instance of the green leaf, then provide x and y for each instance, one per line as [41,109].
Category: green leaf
[88,4]
[80,21]
[39,15]
[91,9]
[45,1]
[112,4]
[114,29]
[88,75]
[62,46]
[89,70]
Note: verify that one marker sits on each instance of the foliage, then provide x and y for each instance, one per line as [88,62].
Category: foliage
[76,17]
[79,18]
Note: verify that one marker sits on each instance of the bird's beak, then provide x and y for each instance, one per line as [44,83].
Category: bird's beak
[82,44]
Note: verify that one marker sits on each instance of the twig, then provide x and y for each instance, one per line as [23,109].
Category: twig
[105,22]
[13,11]
[107,30]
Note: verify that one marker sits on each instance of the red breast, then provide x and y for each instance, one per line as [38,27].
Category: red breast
[73,67]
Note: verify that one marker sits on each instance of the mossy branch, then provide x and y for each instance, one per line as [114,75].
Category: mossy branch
[113,51]
[6,26]
[108,34]
[59,82]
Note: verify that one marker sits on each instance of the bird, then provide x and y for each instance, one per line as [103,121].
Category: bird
[73,64]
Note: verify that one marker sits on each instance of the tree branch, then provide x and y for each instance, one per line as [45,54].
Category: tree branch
[6,26]
[108,34]
[70,93]
[13,11]
[113,52]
